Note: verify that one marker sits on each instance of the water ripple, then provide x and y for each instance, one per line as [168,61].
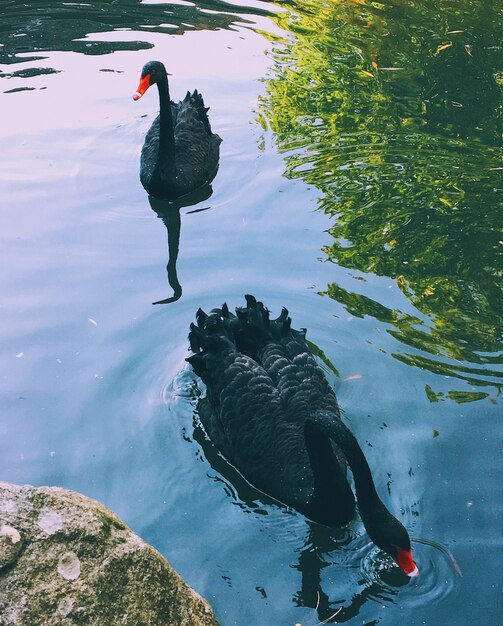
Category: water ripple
[439,575]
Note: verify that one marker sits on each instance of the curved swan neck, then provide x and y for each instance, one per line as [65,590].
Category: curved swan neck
[381,526]
[332,501]
[369,503]
[166,156]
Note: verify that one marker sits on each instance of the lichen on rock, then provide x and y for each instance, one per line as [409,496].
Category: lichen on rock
[50,521]
[66,559]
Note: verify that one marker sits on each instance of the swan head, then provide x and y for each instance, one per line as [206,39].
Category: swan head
[152,72]
[403,558]
[392,537]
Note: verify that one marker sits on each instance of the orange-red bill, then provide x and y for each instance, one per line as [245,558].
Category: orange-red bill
[406,562]
[142,87]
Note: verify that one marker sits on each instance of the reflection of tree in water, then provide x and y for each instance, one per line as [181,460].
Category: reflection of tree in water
[169,213]
[391,111]
[55,25]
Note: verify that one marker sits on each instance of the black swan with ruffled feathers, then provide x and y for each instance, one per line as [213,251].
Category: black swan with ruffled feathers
[180,152]
[271,412]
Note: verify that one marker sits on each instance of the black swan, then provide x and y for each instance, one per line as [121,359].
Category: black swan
[271,412]
[180,152]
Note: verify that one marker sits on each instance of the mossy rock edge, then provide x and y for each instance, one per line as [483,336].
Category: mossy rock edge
[66,559]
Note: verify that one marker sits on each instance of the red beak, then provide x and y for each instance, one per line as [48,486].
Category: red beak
[405,561]
[142,87]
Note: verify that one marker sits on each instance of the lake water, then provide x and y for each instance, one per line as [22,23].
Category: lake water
[359,186]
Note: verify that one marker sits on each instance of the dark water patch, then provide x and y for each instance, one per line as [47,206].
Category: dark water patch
[30,72]
[34,26]
[17,89]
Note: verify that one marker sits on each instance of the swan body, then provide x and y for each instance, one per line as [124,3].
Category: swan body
[271,412]
[180,153]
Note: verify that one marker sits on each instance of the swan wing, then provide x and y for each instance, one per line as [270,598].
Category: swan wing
[285,355]
[196,146]
[247,421]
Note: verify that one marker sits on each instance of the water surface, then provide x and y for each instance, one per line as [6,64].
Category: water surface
[359,186]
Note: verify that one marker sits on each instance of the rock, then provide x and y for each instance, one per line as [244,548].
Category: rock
[66,559]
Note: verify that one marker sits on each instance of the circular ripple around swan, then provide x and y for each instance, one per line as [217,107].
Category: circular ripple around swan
[183,385]
[439,575]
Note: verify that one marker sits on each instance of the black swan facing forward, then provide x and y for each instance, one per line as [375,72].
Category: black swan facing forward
[180,152]
[272,413]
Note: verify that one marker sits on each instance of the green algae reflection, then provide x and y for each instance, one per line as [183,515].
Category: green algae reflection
[393,113]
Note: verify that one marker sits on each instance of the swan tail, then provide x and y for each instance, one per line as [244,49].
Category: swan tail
[210,338]
[254,329]
[220,337]
[258,330]
[195,102]
[248,331]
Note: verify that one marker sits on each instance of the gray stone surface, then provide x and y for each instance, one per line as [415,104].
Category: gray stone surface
[66,559]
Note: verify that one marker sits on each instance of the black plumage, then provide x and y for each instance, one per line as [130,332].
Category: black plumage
[180,152]
[272,413]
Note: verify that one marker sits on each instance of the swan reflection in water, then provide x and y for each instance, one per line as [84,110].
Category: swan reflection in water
[314,557]
[169,212]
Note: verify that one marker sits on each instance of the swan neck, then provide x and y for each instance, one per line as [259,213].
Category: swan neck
[368,500]
[332,501]
[366,493]
[166,132]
